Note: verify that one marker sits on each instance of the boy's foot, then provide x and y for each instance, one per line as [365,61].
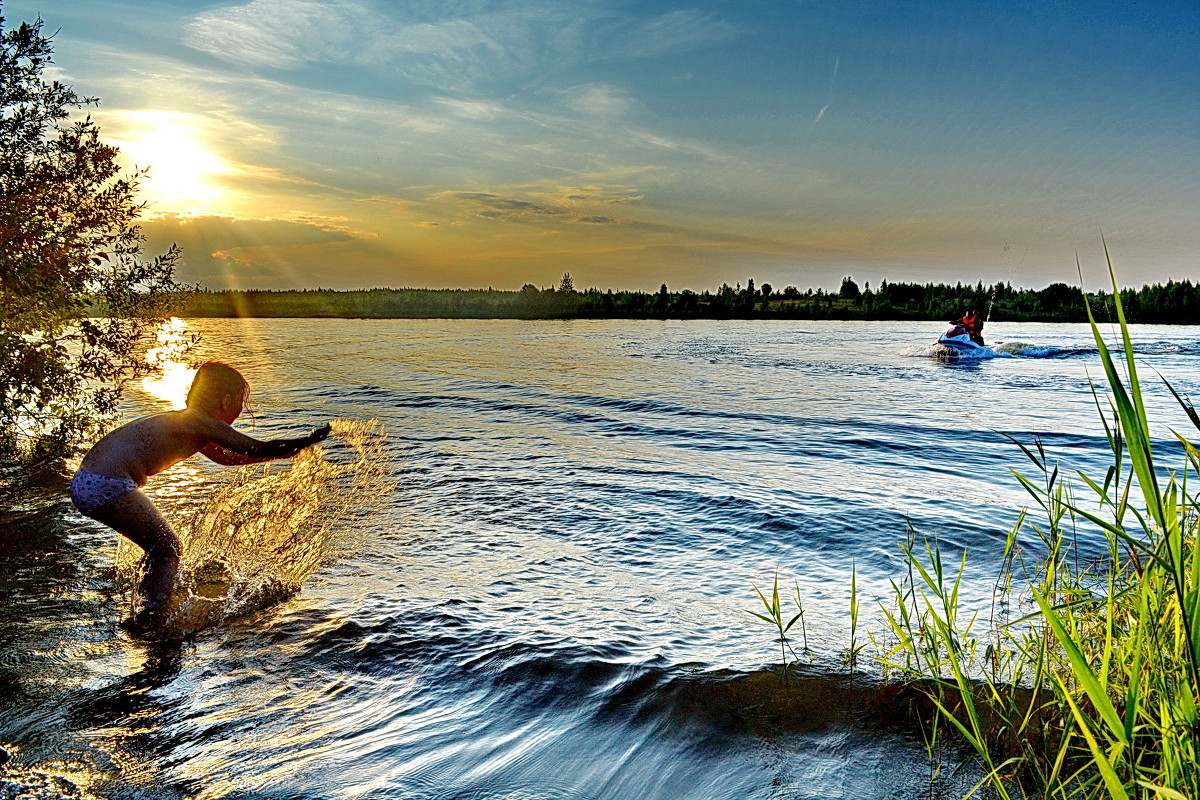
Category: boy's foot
[143,623]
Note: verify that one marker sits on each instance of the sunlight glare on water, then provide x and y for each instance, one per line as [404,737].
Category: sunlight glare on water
[172,376]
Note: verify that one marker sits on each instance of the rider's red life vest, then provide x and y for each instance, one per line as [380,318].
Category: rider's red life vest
[972,323]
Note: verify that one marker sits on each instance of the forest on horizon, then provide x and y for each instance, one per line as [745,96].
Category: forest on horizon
[1176,302]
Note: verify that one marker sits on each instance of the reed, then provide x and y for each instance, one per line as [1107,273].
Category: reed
[773,615]
[1094,691]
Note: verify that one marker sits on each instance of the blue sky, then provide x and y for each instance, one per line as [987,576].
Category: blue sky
[352,143]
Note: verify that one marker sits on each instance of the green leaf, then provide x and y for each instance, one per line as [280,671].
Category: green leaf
[1083,671]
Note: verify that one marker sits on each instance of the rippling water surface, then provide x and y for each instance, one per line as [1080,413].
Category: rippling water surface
[550,600]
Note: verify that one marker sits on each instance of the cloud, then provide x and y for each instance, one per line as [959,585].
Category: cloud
[491,206]
[599,100]
[279,33]
[564,205]
[210,243]
[594,195]
[454,47]
[371,136]
[673,32]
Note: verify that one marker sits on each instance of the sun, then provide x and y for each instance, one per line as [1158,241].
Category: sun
[182,171]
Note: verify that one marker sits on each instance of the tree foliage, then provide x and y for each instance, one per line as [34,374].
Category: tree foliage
[1175,302]
[77,298]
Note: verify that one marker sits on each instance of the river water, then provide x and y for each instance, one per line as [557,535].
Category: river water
[547,597]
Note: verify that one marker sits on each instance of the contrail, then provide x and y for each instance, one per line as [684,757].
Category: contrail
[832,78]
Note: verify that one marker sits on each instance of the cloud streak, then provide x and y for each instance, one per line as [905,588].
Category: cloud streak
[566,205]
[452,48]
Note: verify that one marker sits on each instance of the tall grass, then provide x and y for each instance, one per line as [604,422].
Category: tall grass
[1094,692]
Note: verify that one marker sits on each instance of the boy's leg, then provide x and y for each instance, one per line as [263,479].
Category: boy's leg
[133,516]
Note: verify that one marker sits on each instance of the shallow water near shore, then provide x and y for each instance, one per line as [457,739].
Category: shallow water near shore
[549,601]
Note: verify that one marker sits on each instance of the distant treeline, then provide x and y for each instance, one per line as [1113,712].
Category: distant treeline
[1176,302]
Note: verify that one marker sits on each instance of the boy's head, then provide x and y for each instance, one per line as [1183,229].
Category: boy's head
[218,390]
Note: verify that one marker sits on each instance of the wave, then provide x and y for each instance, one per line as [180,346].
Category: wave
[1167,348]
[1018,349]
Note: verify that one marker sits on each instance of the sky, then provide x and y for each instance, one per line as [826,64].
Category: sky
[473,143]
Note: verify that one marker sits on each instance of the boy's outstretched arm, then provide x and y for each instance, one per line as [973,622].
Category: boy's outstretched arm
[238,450]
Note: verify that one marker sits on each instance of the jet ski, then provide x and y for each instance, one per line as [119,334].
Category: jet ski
[959,340]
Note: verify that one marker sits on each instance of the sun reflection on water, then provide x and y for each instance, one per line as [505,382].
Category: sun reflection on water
[173,376]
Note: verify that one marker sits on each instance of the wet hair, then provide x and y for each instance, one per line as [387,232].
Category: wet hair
[214,380]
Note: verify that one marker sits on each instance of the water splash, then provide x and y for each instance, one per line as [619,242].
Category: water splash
[941,352]
[1026,350]
[264,529]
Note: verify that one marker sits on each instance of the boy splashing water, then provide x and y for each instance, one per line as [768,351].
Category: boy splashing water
[107,485]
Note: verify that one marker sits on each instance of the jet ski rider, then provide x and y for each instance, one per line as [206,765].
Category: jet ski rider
[974,325]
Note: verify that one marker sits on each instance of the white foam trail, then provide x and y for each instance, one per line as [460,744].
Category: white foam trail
[1027,350]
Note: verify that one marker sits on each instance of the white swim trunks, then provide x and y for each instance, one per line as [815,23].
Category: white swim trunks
[91,492]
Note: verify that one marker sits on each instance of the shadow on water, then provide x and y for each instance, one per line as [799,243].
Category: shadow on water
[96,738]
[59,613]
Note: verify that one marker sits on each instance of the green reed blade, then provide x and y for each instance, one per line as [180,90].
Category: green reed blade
[1133,693]
[1119,532]
[1100,758]
[993,776]
[1109,433]
[1101,492]
[1034,490]
[769,607]
[1163,791]
[1188,408]
[1135,389]
[1041,464]
[1082,670]
[1128,402]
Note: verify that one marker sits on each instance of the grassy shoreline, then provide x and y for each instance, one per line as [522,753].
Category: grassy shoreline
[1084,680]
[1094,690]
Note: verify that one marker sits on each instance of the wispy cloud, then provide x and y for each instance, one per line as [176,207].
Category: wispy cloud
[599,100]
[280,33]
[832,79]
[565,205]
[452,47]
[673,32]
[595,195]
